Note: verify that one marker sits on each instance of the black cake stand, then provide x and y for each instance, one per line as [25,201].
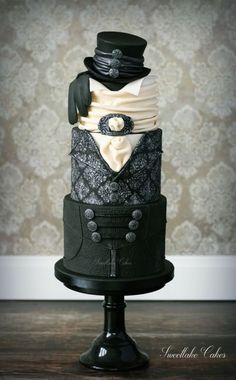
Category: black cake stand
[113,349]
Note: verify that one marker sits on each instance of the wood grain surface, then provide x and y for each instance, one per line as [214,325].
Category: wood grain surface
[43,339]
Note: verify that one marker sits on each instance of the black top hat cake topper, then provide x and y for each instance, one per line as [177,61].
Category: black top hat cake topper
[118,58]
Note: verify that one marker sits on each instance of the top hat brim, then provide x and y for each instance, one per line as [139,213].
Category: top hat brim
[88,61]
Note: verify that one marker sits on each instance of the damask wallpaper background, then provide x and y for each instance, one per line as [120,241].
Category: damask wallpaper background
[191,47]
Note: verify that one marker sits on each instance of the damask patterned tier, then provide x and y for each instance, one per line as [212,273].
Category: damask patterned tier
[94,182]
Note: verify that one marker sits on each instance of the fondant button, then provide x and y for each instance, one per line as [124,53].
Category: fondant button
[116,53]
[114,186]
[133,225]
[130,237]
[114,197]
[96,237]
[92,226]
[137,214]
[89,213]
[115,63]
[114,73]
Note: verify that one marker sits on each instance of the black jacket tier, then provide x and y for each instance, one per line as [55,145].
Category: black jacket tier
[125,241]
[94,182]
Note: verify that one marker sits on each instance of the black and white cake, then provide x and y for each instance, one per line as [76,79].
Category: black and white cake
[115,216]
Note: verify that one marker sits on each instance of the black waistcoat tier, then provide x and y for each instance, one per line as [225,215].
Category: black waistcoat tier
[125,241]
[94,182]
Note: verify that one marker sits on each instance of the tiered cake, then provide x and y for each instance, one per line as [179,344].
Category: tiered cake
[115,216]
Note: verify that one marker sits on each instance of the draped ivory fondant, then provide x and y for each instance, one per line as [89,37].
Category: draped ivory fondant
[138,100]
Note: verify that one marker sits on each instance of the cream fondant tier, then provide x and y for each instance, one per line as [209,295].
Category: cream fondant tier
[137,100]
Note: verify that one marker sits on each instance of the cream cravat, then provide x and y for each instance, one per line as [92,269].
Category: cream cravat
[116,150]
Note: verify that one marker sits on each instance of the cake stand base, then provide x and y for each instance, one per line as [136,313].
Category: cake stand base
[113,349]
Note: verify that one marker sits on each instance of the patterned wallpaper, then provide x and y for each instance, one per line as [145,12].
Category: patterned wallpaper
[191,47]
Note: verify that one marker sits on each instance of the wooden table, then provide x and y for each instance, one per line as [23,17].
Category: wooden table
[43,339]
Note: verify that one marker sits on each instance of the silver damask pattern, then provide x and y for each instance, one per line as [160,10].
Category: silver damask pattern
[137,182]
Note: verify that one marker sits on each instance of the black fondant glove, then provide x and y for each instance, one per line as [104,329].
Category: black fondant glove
[79,97]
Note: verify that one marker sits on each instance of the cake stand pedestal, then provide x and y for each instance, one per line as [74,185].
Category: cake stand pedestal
[114,349]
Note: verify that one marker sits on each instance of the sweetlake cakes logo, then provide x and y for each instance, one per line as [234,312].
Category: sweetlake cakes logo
[207,352]
[122,261]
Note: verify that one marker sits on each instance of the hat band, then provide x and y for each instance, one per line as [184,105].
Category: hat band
[115,64]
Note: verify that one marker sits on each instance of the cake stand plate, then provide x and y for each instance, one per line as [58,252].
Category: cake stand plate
[113,286]
[113,349]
